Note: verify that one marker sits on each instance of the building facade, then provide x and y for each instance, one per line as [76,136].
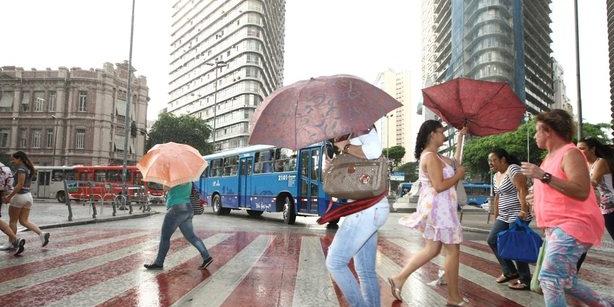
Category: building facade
[226,56]
[610,12]
[68,117]
[561,101]
[494,40]
[396,127]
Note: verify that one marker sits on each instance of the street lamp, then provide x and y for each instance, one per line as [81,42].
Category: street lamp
[218,64]
[55,138]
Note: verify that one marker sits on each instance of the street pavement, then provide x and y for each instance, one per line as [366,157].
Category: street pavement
[257,262]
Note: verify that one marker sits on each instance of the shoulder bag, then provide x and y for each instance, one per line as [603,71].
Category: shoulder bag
[351,177]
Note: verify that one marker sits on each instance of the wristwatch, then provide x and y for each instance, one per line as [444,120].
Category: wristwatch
[546,178]
[346,147]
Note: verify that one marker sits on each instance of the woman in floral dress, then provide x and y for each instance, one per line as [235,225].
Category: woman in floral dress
[436,216]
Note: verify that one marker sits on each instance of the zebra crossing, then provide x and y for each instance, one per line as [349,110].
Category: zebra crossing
[102,267]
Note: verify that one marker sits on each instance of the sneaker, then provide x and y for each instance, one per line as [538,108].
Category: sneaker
[206,263]
[153,266]
[19,245]
[44,238]
[441,278]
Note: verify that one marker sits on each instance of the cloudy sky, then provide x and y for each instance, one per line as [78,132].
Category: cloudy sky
[323,37]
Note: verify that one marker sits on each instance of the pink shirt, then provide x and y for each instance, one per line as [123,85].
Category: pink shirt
[580,219]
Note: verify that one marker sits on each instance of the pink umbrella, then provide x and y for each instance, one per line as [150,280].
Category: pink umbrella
[317,109]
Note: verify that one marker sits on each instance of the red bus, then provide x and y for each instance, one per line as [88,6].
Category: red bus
[102,182]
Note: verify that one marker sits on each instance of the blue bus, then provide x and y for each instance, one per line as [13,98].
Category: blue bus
[263,178]
[477,193]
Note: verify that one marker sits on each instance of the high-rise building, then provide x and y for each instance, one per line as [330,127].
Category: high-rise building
[396,127]
[226,56]
[610,10]
[561,101]
[495,40]
[76,116]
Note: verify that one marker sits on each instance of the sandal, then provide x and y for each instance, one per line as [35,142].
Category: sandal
[464,302]
[501,279]
[396,292]
[518,285]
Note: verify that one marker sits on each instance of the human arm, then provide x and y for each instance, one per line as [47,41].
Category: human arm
[434,170]
[600,169]
[520,182]
[577,184]
[495,205]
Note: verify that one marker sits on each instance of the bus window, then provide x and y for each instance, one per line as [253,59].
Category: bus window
[57,175]
[114,175]
[284,160]
[304,163]
[230,166]
[264,161]
[216,168]
[315,158]
[100,176]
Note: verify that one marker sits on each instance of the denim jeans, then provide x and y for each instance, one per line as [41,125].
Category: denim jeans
[179,216]
[507,266]
[357,238]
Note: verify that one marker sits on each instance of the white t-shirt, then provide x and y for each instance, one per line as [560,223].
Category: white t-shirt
[370,142]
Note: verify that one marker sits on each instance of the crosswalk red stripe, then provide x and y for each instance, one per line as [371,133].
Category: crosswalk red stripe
[271,280]
[326,241]
[87,239]
[474,292]
[175,283]
[61,287]
[54,262]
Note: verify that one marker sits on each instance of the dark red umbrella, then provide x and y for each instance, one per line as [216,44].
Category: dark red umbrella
[317,109]
[485,107]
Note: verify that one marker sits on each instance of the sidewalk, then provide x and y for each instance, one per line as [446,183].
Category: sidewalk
[48,213]
[475,220]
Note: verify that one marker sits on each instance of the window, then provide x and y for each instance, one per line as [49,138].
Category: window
[82,101]
[23,138]
[80,139]
[25,101]
[6,101]
[36,138]
[39,101]
[50,138]
[4,137]
[51,105]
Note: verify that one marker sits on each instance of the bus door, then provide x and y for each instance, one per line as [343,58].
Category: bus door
[310,185]
[245,181]
[42,183]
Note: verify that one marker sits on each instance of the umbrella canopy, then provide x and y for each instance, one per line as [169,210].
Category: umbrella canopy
[485,107]
[172,164]
[317,109]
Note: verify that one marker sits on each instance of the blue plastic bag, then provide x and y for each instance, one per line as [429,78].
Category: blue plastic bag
[519,243]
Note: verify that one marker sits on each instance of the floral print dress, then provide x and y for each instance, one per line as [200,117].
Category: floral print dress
[436,216]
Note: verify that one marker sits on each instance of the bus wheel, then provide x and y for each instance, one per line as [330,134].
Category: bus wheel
[216,204]
[61,196]
[254,213]
[289,211]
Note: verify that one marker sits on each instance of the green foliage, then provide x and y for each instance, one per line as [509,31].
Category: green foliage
[475,154]
[395,153]
[410,169]
[183,129]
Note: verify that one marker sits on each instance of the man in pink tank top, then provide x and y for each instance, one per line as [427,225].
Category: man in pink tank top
[565,207]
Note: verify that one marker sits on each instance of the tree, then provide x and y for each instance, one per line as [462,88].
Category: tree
[183,129]
[395,153]
[410,169]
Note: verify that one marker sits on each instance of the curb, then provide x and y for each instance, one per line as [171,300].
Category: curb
[96,221]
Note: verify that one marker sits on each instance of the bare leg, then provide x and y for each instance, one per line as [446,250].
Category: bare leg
[24,221]
[14,213]
[7,230]
[428,252]
[451,267]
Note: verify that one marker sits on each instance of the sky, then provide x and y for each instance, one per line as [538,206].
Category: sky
[323,37]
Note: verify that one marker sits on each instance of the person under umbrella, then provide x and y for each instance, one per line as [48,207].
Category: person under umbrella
[175,166]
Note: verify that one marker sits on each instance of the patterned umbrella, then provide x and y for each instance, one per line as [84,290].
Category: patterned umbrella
[484,107]
[172,164]
[317,109]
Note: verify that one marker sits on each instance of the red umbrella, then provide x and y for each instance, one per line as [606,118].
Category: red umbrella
[484,107]
[317,109]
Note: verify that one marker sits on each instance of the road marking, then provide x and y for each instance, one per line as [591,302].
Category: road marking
[313,286]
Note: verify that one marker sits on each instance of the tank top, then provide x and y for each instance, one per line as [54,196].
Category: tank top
[606,191]
[580,219]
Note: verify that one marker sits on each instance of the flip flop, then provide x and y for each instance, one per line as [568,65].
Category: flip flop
[501,279]
[519,285]
[396,292]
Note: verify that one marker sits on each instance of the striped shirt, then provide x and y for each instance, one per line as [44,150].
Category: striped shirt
[509,205]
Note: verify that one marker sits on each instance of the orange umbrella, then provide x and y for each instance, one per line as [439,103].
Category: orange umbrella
[172,164]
